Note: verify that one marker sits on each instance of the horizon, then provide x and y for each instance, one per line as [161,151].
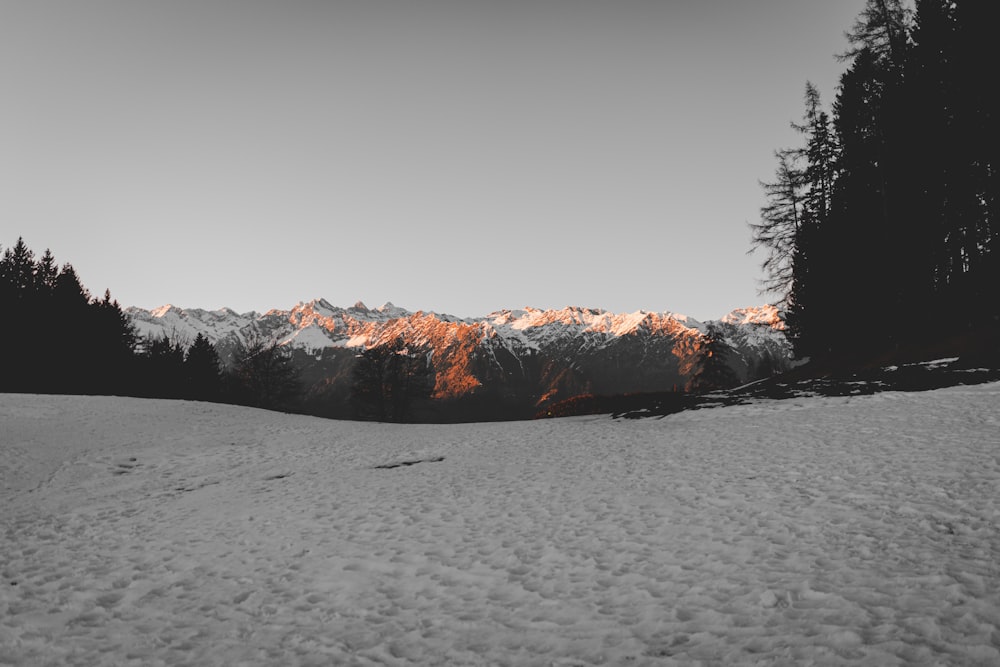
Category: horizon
[392,305]
[466,157]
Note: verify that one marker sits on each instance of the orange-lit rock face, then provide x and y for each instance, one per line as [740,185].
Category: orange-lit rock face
[451,345]
[453,376]
[767,314]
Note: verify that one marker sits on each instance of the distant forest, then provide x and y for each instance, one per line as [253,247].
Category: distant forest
[881,231]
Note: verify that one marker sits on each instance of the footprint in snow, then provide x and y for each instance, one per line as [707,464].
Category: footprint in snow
[125,467]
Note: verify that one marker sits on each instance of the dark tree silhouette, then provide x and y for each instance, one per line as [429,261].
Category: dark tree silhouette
[163,365]
[780,224]
[20,303]
[714,370]
[263,375]
[898,207]
[56,338]
[203,371]
[388,379]
[17,270]
[798,206]
[881,28]
[46,272]
[113,344]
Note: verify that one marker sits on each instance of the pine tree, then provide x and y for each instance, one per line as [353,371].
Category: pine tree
[799,204]
[714,371]
[72,355]
[114,343]
[17,270]
[46,272]
[872,125]
[820,155]
[858,234]
[955,56]
[881,28]
[944,202]
[69,292]
[203,371]
[263,374]
[813,267]
[18,348]
[780,223]
[163,367]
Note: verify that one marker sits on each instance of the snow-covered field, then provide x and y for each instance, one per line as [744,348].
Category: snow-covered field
[810,531]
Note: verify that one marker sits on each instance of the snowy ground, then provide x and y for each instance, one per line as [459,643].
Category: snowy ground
[858,530]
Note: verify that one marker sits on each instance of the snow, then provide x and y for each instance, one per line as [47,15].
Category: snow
[828,531]
[357,341]
[766,315]
[185,324]
[537,327]
[312,338]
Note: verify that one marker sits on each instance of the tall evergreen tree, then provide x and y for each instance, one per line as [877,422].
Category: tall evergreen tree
[879,146]
[17,269]
[203,371]
[19,301]
[72,353]
[46,272]
[881,27]
[814,266]
[68,292]
[952,59]
[113,346]
[820,155]
[799,203]
[931,114]
[714,370]
[780,224]
[163,367]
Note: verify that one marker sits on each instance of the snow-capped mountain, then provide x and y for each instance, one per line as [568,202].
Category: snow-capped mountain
[506,362]
[186,324]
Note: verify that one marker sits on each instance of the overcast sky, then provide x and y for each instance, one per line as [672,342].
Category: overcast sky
[458,156]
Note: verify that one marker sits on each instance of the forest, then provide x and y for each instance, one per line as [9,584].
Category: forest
[57,338]
[880,230]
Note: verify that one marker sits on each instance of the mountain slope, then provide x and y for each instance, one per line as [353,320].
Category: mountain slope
[509,363]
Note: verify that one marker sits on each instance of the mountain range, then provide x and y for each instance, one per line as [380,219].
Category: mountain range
[507,364]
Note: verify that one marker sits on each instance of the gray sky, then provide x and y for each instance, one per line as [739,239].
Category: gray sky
[451,155]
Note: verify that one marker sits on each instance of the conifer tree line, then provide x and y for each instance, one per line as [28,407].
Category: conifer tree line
[388,380]
[888,208]
[57,338]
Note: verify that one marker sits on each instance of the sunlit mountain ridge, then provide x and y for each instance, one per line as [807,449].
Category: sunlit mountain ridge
[508,363]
